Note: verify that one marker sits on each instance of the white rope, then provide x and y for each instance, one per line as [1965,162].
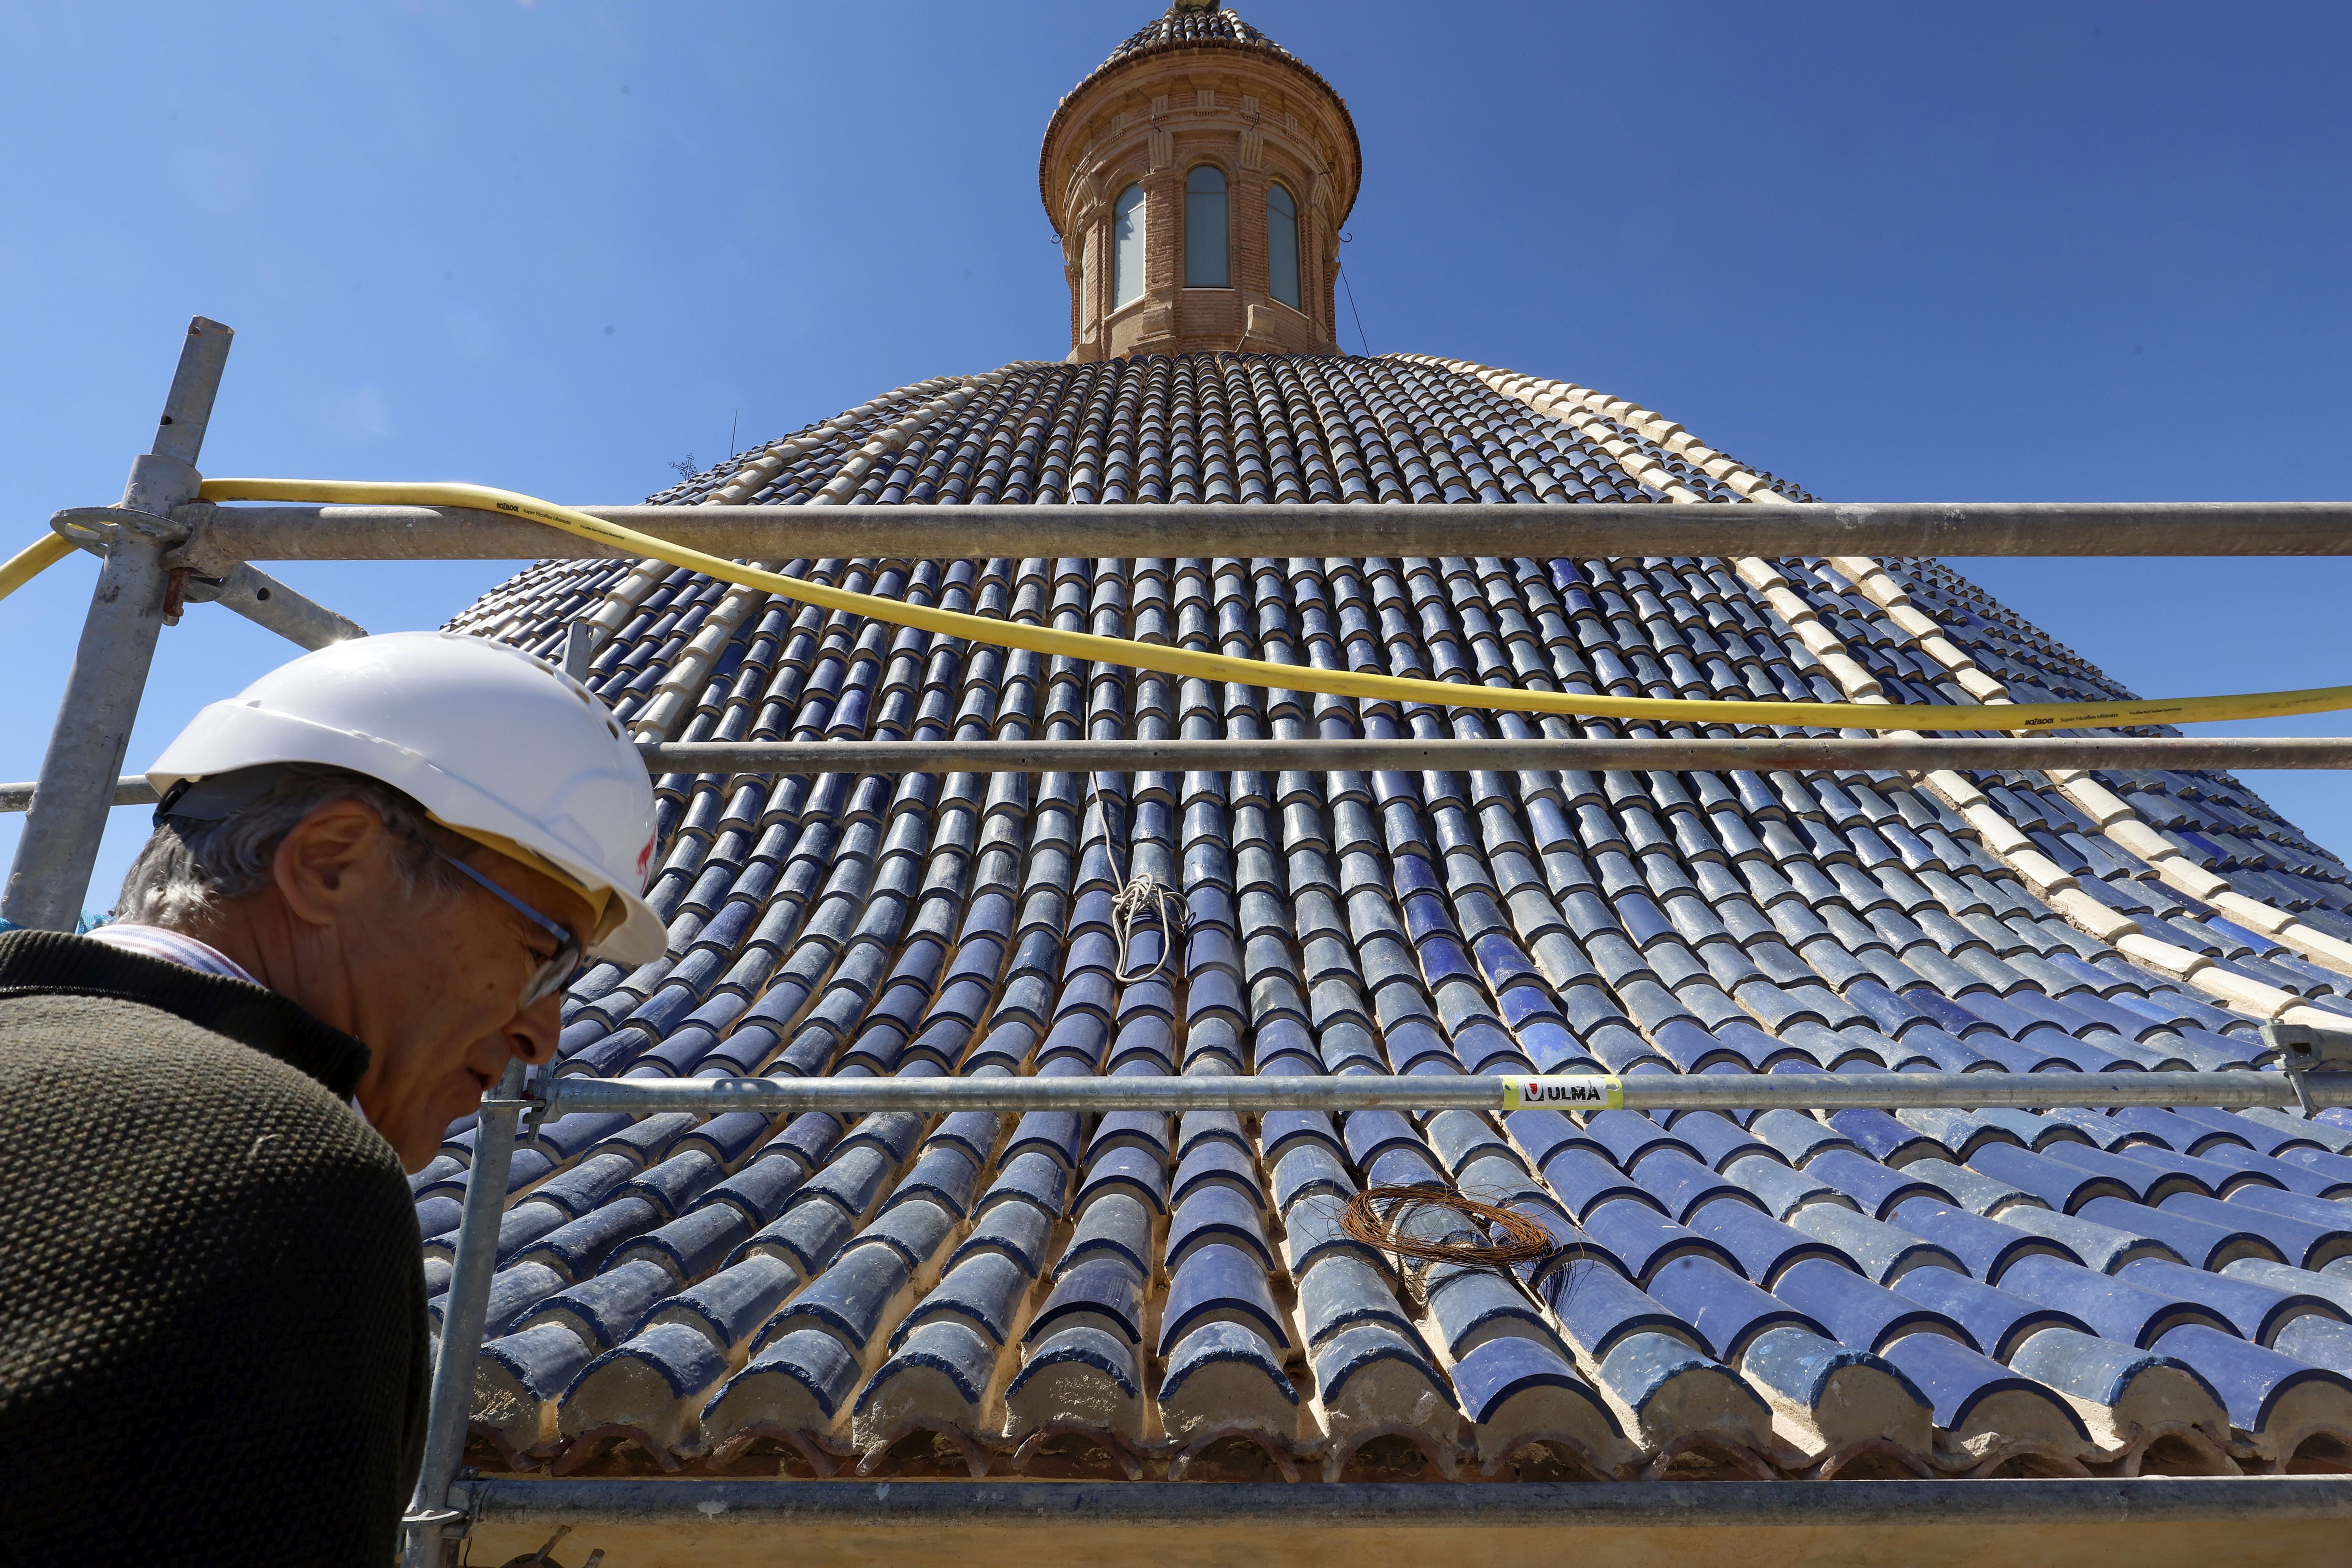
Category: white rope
[1137,897]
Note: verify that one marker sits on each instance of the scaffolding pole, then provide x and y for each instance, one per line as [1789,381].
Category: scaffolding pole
[1760,755]
[426,1540]
[574,1095]
[268,603]
[1540,531]
[67,813]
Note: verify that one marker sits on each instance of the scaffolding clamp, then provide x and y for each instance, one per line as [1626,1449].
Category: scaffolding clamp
[2304,1049]
[97,529]
[198,550]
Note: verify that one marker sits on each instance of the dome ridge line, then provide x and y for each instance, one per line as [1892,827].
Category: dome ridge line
[2001,837]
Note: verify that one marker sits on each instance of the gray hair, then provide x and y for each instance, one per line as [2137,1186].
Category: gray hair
[194,864]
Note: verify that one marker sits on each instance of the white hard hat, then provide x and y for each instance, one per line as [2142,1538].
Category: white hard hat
[493,743]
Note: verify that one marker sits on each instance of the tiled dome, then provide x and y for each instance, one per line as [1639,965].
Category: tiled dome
[1138,1294]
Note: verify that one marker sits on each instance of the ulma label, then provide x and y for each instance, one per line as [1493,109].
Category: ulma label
[1586,1091]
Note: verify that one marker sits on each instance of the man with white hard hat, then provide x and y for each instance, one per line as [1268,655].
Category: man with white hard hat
[373,874]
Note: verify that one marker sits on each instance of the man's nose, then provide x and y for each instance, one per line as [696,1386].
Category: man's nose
[532,1034]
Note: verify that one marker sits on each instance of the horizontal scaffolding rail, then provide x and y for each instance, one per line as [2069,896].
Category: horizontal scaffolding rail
[1456,756]
[785,1506]
[1299,528]
[130,789]
[574,1094]
[1464,756]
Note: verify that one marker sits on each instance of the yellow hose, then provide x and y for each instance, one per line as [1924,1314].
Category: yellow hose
[1293,677]
[32,561]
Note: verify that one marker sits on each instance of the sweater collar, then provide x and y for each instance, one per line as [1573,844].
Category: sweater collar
[34,963]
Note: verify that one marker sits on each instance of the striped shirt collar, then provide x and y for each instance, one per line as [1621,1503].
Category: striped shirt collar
[172,947]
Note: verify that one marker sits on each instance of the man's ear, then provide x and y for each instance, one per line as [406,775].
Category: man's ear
[329,859]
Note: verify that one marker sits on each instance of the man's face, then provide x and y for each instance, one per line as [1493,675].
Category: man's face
[444,1012]
[432,982]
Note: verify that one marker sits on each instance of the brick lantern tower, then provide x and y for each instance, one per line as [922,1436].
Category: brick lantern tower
[1199,180]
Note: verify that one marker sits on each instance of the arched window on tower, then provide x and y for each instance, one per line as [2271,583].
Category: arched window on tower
[1282,245]
[1126,248]
[1205,229]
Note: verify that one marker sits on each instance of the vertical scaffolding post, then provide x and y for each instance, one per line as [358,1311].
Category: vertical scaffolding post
[51,873]
[579,644]
[425,1539]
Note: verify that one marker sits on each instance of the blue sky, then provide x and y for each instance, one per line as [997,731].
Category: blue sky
[2041,252]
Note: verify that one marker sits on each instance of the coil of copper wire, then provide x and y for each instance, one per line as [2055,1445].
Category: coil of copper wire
[1376,1218]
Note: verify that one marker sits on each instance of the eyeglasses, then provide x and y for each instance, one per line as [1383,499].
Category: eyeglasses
[555,973]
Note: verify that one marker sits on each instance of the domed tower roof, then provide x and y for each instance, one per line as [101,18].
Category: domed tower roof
[1186,22]
[1199,179]
[1776,1294]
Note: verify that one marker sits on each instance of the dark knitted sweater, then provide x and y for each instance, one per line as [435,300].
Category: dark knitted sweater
[212,1340]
